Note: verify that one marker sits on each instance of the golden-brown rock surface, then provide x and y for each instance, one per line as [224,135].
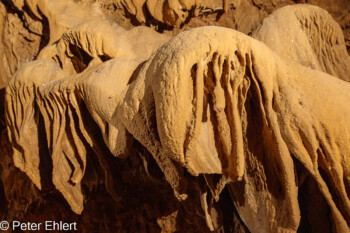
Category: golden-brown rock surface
[130,116]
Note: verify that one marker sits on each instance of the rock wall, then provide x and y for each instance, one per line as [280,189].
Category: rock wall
[130,116]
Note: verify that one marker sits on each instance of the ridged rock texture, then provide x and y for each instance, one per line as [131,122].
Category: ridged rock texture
[176,115]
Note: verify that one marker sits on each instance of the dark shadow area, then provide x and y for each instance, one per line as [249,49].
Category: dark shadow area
[315,213]
[45,34]
[2,109]
[81,59]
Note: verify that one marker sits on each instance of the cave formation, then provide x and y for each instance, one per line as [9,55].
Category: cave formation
[176,116]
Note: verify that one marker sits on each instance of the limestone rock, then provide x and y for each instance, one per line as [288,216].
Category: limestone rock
[308,35]
[122,117]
